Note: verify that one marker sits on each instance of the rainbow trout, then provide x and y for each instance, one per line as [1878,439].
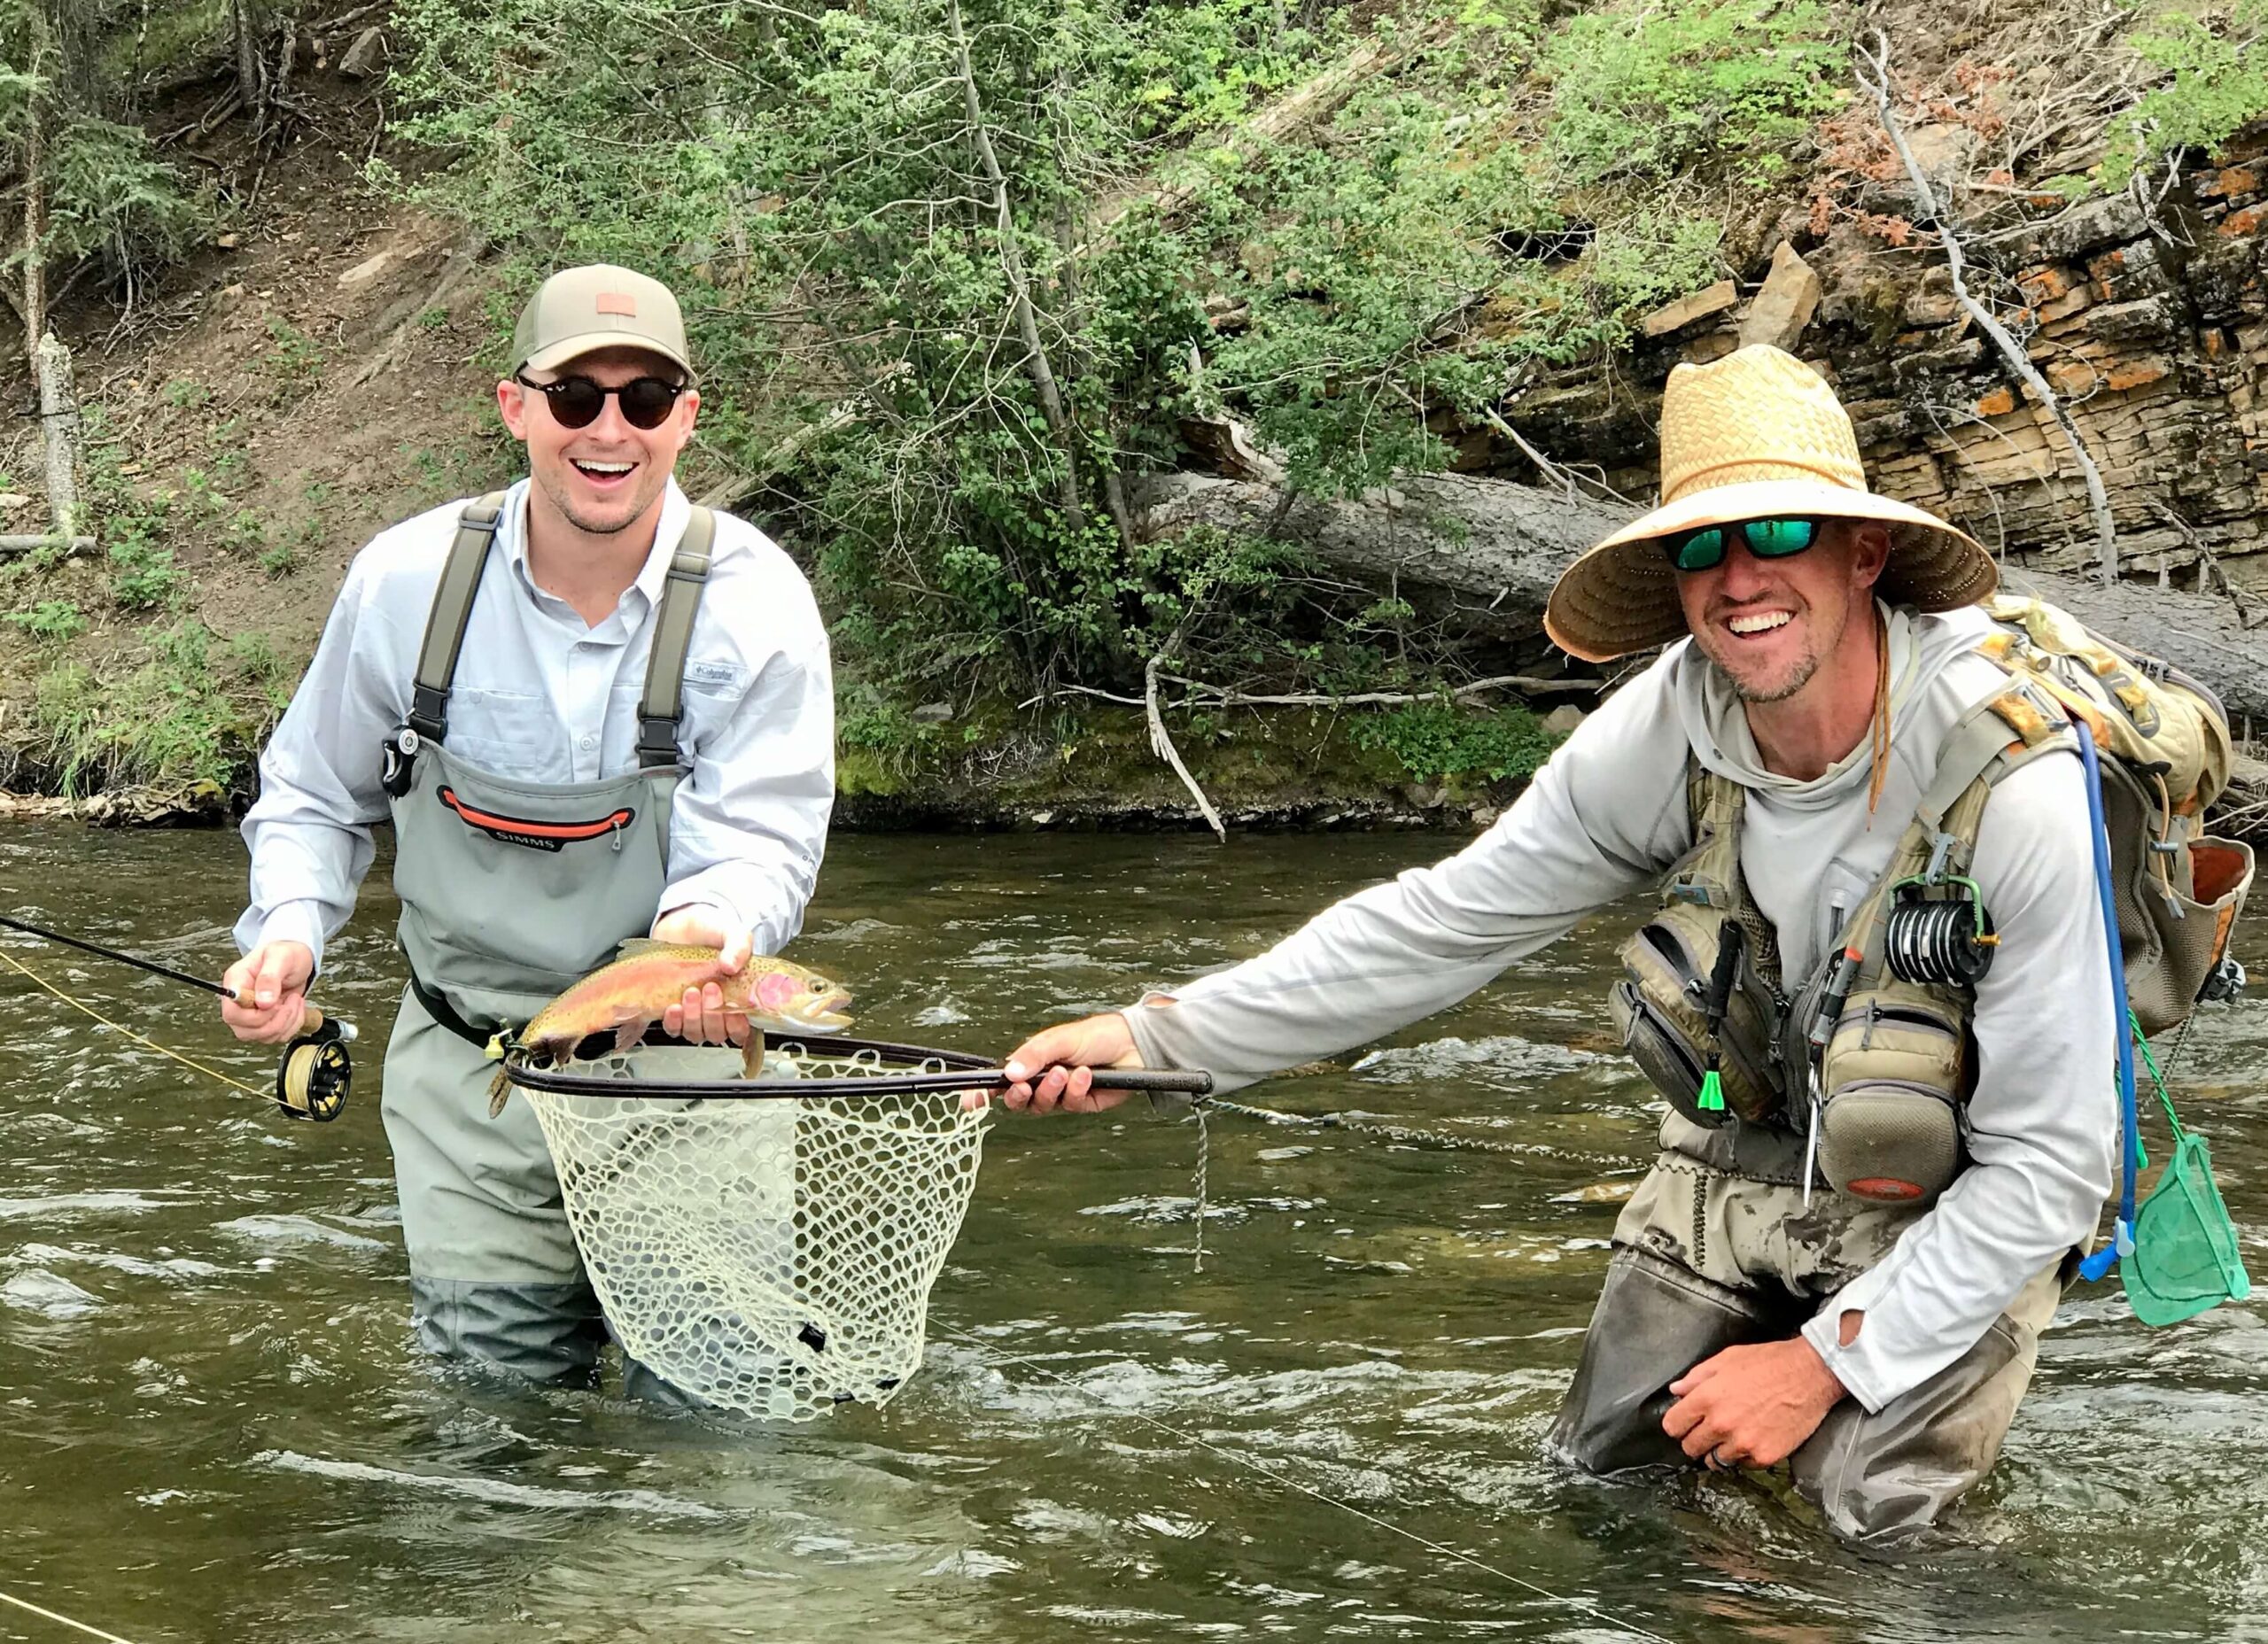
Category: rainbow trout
[628,996]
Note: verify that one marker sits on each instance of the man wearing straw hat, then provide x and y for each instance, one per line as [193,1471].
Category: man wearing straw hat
[1819,716]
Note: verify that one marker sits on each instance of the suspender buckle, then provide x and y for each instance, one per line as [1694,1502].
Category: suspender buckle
[397,754]
[656,742]
[429,712]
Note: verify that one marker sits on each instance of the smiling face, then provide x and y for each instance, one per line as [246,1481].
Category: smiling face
[1773,624]
[607,477]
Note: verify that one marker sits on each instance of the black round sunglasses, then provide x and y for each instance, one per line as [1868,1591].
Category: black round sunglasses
[1704,549]
[576,401]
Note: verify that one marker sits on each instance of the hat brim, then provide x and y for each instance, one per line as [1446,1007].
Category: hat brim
[572,348]
[1621,596]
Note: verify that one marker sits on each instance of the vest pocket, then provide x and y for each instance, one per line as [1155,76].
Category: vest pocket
[1906,1041]
[1662,1054]
[1659,1007]
[1895,1074]
[1890,1142]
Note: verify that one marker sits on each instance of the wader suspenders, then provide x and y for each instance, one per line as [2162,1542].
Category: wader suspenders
[660,705]
[663,704]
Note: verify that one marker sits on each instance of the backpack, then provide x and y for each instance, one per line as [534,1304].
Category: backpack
[2164,747]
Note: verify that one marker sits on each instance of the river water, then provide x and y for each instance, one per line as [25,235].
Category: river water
[212,1426]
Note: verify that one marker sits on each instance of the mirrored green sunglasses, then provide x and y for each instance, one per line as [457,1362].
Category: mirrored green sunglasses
[1766,538]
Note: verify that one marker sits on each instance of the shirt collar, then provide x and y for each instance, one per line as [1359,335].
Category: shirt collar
[677,512]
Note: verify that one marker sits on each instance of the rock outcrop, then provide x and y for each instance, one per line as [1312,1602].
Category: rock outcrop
[2151,325]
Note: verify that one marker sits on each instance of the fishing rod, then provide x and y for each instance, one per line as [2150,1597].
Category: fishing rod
[314,1073]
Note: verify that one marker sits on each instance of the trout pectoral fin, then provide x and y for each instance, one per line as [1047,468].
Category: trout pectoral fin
[752,1055]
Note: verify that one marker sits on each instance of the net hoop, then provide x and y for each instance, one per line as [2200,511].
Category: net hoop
[954,1070]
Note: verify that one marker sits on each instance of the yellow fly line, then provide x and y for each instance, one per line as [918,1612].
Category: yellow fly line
[210,1072]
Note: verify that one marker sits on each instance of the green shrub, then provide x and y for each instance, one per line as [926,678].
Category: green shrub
[2219,87]
[50,620]
[1434,740]
[1646,90]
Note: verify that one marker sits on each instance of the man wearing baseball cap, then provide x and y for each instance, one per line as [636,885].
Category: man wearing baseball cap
[1849,1244]
[592,711]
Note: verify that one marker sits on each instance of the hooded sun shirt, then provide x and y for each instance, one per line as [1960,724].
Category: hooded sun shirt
[1607,816]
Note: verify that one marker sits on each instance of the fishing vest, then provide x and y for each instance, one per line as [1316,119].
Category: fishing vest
[512,891]
[1874,1049]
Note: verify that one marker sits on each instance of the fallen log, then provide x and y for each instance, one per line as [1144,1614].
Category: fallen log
[1486,550]
[1484,553]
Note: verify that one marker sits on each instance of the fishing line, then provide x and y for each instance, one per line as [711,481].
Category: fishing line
[1286,1480]
[49,1615]
[30,975]
[1402,1133]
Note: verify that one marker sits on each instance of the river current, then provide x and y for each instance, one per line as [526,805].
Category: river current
[213,1425]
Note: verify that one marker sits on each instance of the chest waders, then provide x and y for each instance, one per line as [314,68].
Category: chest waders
[510,891]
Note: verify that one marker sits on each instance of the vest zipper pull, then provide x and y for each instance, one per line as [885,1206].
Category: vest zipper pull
[617,841]
[1729,941]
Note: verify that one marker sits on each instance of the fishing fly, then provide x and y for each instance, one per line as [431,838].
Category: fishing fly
[314,1073]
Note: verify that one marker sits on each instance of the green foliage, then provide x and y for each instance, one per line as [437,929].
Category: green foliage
[1434,740]
[814,187]
[186,394]
[296,361]
[193,709]
[110,197]
[144,576]
[1647,90]
[2219,66]
[52,620]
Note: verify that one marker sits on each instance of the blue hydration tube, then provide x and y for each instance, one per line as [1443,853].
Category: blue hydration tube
[2121,1241]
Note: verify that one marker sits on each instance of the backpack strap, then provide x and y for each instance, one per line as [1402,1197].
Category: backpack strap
[663,703]
[451,614]
[1995,735]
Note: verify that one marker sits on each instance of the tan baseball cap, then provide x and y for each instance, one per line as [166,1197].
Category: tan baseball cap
[579,311]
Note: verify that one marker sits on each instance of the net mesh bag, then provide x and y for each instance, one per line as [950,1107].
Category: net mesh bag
[772,1256]
[2185,1258]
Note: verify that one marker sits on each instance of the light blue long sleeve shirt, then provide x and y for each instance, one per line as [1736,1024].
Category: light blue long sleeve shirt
[1607,816]
[541,696]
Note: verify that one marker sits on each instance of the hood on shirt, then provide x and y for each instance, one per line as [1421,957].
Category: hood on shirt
[1716,725]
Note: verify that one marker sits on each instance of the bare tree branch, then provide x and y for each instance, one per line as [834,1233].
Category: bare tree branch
[1876,85]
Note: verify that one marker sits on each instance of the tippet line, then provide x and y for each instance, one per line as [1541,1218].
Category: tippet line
[32,976]
[1289,1482]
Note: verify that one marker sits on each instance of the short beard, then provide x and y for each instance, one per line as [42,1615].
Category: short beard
[1803,677]
[1806,668]
[567,511]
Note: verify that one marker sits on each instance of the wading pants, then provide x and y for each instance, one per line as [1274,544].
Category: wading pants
[494,1272]
[494,1276]
[1706,1259]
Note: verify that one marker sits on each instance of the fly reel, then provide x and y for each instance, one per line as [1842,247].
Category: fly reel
[1938,933]
[313,1080]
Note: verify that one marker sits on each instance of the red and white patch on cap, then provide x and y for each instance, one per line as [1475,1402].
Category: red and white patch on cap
[618,302]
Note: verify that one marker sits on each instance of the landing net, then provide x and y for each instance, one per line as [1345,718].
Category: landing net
[773,1256]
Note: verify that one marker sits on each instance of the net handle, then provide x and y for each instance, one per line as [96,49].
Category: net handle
[962,1073]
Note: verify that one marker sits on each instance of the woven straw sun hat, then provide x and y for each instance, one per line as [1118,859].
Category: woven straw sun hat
[1756,435]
